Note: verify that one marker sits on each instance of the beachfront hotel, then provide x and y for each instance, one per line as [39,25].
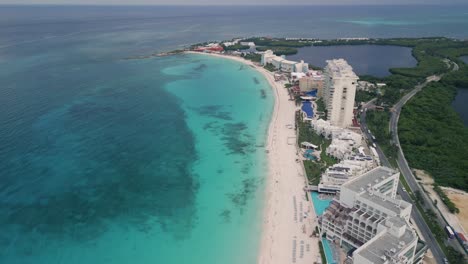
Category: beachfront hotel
[313,80]
[281,63]
[338,174]
[369,218]
[339,91]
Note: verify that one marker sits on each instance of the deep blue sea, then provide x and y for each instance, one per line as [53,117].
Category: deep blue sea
[160,160]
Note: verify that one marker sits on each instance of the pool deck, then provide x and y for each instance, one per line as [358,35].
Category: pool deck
[319,205]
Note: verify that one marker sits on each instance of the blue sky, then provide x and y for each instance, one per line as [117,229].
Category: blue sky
[232,2]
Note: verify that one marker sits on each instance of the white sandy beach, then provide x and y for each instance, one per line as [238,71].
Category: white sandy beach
[286,231]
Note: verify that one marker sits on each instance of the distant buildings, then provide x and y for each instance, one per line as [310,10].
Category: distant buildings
[250,44]
[212,47]
[368,86]
[281,63]
[339,92]
[369,218]
[231,43]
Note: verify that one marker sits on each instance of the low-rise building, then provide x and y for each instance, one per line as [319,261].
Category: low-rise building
[281,63]
[312,81]
[365,86]
[335,176]
[343,144]
[250,44]
[324,128]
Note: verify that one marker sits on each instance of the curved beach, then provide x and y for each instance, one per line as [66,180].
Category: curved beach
[288,218]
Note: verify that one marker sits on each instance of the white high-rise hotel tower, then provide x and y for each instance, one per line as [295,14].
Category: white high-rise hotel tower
[339,92]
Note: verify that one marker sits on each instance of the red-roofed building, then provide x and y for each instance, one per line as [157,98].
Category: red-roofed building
[216,48]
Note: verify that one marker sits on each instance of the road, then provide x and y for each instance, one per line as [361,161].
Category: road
[428,237]
[406,171]
[402,162]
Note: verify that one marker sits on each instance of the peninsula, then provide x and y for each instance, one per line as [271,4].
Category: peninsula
[307,152]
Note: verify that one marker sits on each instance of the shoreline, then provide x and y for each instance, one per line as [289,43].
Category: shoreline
[286,229]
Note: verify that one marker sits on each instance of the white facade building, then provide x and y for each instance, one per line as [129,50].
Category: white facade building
[324,128]
[368,217]
[343,144]
[339,92]
[335,176]
[281,63]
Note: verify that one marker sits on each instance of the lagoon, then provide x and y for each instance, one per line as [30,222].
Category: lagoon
[460,104]
[365,59]
[464,59]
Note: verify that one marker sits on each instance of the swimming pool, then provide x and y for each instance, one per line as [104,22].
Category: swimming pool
[308,154]
[307,108]
[312,93]
[319,204]
[328,251]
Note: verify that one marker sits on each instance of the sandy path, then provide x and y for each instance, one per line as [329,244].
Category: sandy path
[285,231]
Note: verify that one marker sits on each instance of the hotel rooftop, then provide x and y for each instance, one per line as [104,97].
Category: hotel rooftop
[370,178]
[339,68]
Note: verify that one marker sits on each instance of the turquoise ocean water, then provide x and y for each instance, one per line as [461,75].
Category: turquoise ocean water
[185,183]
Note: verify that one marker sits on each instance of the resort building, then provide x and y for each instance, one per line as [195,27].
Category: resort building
[365,86]
[367,217]
[344,141]
[338,174]
[343,144]
[250,44]
[339,91]
[231,43]
[281,63]
[296,76]
[312,81]
[324,128]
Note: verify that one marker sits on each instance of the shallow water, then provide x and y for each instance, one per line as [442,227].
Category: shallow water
[143,166]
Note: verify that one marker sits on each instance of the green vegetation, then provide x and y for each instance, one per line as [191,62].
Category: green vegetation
[433,136]
[430,218]
[313,169]
[279,50]
[378,123]
[453,255]
[363,96]
[279,42]
[237,46]
[328,160]
[315,68]
[279,46]
[406,186]
[253,57]
[322,252]
[450,205]
[321,108]
[270,67]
